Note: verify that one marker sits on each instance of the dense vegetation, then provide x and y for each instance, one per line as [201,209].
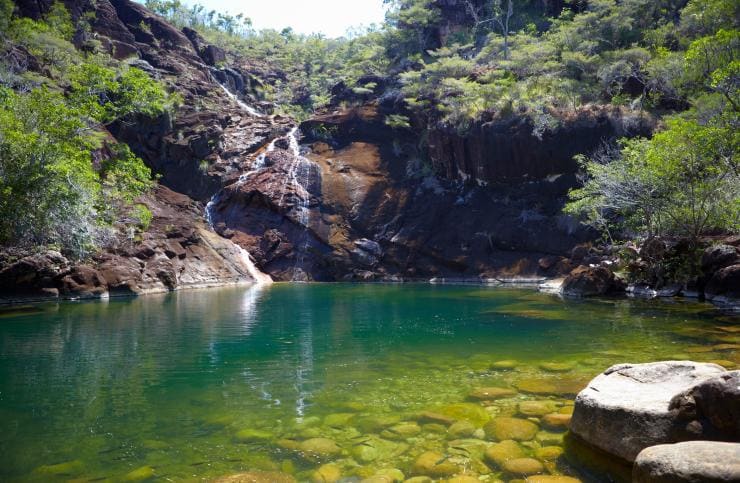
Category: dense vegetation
[63,181]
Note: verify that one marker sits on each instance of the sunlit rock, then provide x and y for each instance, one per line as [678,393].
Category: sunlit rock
[511,428]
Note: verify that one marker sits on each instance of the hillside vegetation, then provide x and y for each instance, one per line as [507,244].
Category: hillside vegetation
[64,181]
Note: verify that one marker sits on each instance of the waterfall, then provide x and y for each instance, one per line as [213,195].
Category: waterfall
[259,277]
[246,258]
[299,177]
[251,110]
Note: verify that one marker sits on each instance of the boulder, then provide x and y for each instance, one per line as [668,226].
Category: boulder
[32,275]
[590,281]
[714,405]
[84,281]
[690,462]
[717,257]
[724,284]
[628,407]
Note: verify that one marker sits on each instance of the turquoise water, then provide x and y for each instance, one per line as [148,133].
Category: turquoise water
[195,385]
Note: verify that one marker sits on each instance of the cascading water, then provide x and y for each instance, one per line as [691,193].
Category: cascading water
[299,177]
[250,110]
[258,276]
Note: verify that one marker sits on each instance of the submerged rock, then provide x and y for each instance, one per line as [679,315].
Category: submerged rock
[435,417]
[552,479]
[556,421]
[626,409]
[537,408]
[490,393]
[316,449]
[504,365]
[140,474]
[462,429]
[257,477]
[252,435]
[511,428]
[524,466]
[328,473]
[557,366]
[548,453]
[466,412]
[693,461]
[504,451]
[402,431]
[434,465]
[67,468]
[561,386]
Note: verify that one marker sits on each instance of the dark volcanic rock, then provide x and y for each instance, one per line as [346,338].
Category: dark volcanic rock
[589,281]
[724,285]
[508,150]
[713,405]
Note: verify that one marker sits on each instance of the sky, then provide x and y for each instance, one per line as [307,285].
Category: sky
[330,17]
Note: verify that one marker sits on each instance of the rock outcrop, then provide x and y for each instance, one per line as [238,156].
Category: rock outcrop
[587,281]
[629,407]
[178,251]
[508,149]
[211,136]
[689,462]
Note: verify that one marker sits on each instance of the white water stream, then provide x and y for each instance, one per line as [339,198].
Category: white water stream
[298,177]
[251,110]
[258,276]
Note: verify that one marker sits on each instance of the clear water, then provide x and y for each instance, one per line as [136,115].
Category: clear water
[195,385]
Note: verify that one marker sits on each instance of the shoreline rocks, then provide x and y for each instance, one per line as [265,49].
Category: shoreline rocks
[627,408]
[177,252]
[692,461]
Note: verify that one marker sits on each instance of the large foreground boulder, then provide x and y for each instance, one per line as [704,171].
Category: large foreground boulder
[628,407]
[690,462]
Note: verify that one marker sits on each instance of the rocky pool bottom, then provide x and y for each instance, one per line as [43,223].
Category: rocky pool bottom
[325,382]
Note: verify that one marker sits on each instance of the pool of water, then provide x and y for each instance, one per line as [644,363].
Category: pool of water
[317,381]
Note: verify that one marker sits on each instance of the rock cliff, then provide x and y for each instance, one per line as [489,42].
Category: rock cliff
[356,200]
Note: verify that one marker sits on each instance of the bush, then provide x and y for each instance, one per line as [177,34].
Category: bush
[683,182]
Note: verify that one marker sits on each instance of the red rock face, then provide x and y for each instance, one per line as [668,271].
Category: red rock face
[366,184]
[178,251]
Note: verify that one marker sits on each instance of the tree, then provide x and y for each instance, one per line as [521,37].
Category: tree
[502,16]
[683,182]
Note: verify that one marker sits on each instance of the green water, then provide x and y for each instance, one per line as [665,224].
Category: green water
[196,385]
